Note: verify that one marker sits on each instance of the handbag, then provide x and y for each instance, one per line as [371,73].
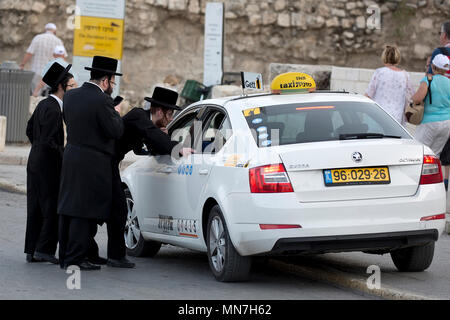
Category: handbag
[414,111]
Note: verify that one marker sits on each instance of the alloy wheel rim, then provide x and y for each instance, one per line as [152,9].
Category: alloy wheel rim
[132,229]
[217,244]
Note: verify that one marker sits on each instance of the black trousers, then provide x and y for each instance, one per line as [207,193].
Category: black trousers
[116,222]
[75,239]
[41,234]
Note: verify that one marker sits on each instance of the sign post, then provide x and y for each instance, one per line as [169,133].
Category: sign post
[99,32]
[213,52]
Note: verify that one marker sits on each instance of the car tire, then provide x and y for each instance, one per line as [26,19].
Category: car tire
[135,243]
[413,259]
[225,262]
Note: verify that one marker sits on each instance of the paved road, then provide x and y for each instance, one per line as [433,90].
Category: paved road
[174,274]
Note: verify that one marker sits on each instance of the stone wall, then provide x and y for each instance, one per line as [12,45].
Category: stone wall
[164,38]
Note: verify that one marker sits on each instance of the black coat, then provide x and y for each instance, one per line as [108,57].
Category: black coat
[86,178]
[45,131]
[140,129]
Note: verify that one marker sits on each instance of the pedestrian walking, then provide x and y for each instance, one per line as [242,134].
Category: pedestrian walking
[390,86]
[40,52]
[45,131]
[86,196]
[434,130]
[444,40]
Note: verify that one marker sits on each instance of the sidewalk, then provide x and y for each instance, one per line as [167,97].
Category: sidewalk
[13,161]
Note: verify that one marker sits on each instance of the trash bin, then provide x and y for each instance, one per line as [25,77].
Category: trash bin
[15,100]
[193,91]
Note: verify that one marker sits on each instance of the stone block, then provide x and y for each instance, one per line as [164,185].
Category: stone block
[225,91]
[365,75]
[2,132]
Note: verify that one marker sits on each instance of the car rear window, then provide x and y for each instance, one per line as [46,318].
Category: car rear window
[314,122]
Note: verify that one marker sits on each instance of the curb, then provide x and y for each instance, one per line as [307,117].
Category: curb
[345,280]
[11,187]
[13,160]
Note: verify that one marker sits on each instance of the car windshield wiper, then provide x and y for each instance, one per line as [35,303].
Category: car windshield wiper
[349,136]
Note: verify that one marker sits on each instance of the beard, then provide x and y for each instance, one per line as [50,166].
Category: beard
[109,91]
[159,123]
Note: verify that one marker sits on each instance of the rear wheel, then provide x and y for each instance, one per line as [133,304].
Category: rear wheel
[413,259]
[134,241]
[225,262]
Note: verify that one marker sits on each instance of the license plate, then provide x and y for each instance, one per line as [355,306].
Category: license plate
[356,176]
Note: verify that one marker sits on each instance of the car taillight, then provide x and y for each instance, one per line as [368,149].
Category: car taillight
[435,217]
[269,179]
[431,170]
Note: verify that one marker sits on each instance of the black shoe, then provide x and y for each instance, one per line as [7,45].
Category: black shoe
[45,257]
[85,266]
[31,259]
[97,260]
[122,263]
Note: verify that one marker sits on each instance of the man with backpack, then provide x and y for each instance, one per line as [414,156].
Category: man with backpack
[444,38]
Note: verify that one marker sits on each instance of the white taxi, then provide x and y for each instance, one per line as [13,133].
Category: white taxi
[286,174]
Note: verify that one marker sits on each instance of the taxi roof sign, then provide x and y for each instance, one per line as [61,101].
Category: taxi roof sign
[293,82]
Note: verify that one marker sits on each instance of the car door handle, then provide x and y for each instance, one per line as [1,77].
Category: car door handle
[203,171]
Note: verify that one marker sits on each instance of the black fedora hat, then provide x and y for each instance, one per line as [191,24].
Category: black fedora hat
[105,65]
[164,98]
[55,74]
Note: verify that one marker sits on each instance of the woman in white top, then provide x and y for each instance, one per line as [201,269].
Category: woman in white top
[390,86]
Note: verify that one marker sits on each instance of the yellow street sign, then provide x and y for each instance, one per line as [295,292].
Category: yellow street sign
[99,36]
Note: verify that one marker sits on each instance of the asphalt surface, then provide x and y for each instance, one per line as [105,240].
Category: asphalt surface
[174,274]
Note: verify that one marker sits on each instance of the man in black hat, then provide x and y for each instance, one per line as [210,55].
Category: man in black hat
[140,127]
[45,131]
[86,196]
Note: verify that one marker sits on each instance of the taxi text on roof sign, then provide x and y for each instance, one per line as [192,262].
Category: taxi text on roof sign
[293,82]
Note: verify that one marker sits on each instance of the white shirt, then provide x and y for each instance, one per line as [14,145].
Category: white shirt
[391,89]
[42,47]
[60,102]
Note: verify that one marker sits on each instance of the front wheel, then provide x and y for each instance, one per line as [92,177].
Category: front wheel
[135,243]
[225,262]
[413,259]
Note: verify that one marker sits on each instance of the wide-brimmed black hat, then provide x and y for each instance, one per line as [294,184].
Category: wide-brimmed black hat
[55,74]
[105,65]
[164,98]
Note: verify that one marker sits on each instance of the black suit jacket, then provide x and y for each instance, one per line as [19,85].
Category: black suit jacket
[46,134]
[140,129]
[92,128]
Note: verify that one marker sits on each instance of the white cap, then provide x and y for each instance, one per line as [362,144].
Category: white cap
[50,26]
[441,61]
[59,50]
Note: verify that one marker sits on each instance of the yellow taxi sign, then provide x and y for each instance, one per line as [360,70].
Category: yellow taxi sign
[293,82]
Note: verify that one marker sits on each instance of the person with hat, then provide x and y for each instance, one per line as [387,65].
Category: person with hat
[45,131]
[434,130]
[140,127]
[86,196]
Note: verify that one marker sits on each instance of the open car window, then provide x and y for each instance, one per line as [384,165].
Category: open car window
[216,132]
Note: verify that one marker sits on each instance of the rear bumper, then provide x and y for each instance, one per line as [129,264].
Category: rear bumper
[377,242]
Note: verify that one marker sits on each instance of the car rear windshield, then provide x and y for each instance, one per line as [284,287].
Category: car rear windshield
[314,122]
